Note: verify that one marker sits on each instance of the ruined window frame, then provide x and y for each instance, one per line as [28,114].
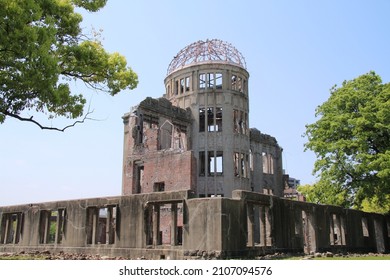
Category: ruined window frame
[181,86]
[202,163]
[138,130]
[241,165]
[187,84]
[236,157]
[176,89]
[158,233]
[210,80]
[168,90]
[365,230]
[52,230]
[102,229]
[240,122]
[210,119]
[240,84]
[214,119]
[139,171]
[233,82]
[202,81]
[218,119]
[215,163]
[218,80]
[165,135]
[202,119]
[11,227]
[159,186]
[268,163]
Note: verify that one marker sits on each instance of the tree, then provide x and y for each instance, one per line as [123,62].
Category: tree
[351,140]
[322,193]
[42,49]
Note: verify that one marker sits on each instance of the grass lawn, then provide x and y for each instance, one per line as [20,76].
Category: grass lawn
[350,258]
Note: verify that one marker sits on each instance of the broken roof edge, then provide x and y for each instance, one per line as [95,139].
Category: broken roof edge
[161,106]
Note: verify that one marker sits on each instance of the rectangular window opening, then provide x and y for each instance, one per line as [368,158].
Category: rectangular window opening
[236,121]
[365,227]
[236,160]
[251,164]
[218,80]
[210,119]
[218,119]
[165,134]
[234,82]
[215,163]
[11,228]
[202,81]
[159,187]
[187,84]
[202,119]
[101,224]
[202,164]
[176,90]
[168,90]
[181,86]
[139,178]
[52,226]
[239,84]
[268,165]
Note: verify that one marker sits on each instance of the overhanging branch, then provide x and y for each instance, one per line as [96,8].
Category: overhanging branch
[48,127]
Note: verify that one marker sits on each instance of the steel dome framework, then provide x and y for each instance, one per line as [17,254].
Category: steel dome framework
[206,51]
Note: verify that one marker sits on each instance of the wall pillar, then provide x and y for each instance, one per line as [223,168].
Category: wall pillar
[174,224]
[251,225]
[156,225]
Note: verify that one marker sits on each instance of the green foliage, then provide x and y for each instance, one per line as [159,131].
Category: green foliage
[351,140]
[322,193]
[373,205]
[42,48]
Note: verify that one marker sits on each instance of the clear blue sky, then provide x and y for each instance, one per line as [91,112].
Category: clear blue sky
[295,52]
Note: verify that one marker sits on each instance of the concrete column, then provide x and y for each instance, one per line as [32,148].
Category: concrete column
[262,226]
[251,225]
[7,228]
[311,224]
[174,224]
[109,225]
[46,217]
[379,236]
[95,217]
[156,225]
[268,226]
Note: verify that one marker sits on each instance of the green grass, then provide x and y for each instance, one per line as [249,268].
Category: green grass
[364,258]
[350,258]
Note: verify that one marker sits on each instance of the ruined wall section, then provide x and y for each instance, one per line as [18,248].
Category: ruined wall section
[177,225]
[266,164]
[157,148]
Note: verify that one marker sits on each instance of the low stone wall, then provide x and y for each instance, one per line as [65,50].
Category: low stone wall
[176,225]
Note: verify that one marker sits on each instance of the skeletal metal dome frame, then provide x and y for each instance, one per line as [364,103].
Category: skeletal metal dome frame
[206,51]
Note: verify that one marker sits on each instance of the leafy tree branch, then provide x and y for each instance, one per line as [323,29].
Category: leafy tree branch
[42,48]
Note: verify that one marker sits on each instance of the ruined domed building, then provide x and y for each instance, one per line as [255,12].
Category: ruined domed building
[197,135]
[198,182]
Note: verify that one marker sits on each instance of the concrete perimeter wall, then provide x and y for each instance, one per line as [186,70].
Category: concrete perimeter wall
[176,225]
